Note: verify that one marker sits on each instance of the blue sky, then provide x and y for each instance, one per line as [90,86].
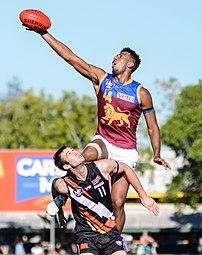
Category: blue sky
[167,34]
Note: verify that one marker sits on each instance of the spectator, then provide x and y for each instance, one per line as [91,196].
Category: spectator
[37,250]
[4,246]
[200,245]
[147,245]
[19,246]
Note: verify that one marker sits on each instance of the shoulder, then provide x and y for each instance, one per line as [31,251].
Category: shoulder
[103,163]
[106,165]
[60,185]
[105,76]
[144,91]
[145,97]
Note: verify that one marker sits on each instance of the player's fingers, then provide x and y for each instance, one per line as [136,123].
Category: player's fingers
[157,211]
[155,208]
[168,166]
[165,164]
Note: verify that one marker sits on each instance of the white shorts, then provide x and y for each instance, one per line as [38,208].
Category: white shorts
[128,156]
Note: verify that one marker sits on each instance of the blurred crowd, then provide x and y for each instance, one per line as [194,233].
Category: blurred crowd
[145,244]
[21,246]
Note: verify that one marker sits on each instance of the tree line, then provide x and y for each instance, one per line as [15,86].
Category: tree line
[29,121]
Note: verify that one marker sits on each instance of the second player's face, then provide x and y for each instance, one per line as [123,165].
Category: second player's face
[73,157]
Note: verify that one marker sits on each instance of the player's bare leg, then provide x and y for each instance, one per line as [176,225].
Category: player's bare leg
[95,150]
[119,253]
[119,193]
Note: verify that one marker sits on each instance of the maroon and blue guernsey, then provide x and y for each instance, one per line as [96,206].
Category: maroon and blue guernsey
[118,111]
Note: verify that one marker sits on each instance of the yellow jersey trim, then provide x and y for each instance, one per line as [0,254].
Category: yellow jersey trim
[101,80]
[138,93]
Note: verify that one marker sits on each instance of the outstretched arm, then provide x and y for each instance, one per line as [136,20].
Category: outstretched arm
[133,179]
[111,166]
[89,71]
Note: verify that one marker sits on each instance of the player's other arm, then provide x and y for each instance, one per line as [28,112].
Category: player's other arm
[59,187]
[133,179]
[60,194]
[152,126]
[111,166]
[89,71]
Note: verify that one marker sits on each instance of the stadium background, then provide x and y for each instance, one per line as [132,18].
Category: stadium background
[25,185]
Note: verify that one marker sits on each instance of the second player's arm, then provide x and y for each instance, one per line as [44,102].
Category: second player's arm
[111,166]
[133,179]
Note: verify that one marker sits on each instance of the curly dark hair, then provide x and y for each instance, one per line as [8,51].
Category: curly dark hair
[135,57]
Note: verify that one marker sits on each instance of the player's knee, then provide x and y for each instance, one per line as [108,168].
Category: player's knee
[118,205]
[90,153]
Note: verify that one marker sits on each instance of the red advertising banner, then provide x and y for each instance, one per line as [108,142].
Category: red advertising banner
[25,179]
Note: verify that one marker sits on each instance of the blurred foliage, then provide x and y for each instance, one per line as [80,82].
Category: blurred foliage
[144,160]
[41,122]
[182,132]
[180,109]
[168,92]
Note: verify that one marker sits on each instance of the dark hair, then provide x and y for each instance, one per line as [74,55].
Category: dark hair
[135,57]
[57,157]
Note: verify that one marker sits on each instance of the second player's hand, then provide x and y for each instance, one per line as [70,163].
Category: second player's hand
[150,204]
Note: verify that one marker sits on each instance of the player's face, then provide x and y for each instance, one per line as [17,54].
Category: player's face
[74,158]
[120,63]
